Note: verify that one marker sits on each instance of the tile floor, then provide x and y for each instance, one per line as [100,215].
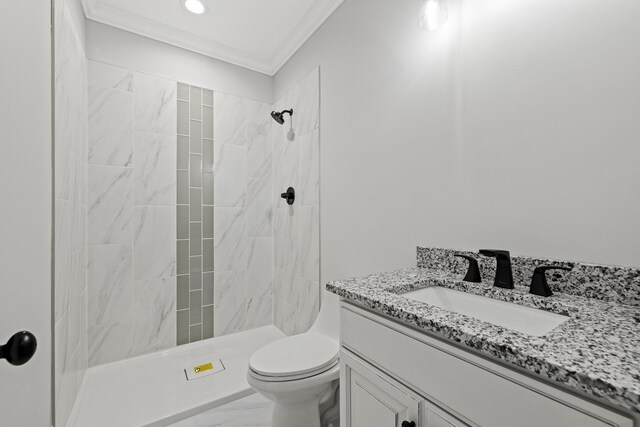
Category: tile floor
[251,411]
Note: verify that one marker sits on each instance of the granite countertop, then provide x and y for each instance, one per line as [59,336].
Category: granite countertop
[596,351]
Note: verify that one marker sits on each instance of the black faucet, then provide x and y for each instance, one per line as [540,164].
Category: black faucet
[539,285]
[504,275]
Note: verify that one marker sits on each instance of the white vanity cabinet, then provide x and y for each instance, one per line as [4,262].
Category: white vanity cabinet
[392,374]
[373,399]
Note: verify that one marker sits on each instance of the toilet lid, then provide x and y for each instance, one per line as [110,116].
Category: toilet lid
[302,354]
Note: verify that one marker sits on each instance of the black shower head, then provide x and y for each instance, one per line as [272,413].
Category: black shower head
[279,117]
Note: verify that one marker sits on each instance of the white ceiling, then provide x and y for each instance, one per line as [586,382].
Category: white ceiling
[257,34]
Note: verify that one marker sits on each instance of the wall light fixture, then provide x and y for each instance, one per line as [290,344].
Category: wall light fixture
[433,13]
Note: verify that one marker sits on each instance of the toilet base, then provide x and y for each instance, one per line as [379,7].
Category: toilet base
[298,403]
[296,414]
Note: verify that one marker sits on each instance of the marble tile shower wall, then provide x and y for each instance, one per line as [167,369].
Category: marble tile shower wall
[243,214]
[131,214]
[195,214]
[70,287]
[297,234]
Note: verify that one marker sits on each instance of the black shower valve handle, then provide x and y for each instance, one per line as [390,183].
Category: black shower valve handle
[473,272]
[539,285]
[289,196]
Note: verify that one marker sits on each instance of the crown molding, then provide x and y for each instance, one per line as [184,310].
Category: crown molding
[312,20]
[119,18]
[127,21]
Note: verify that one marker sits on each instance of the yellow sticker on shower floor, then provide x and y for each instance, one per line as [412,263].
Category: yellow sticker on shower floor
[200,369]
[204,369]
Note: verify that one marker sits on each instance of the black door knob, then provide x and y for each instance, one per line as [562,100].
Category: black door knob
[19,349]
[408,424]
[289,196]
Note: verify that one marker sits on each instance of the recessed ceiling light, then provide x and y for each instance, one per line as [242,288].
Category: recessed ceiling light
[196,7]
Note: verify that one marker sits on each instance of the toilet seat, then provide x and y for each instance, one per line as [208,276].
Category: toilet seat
[291,378]
[293,358]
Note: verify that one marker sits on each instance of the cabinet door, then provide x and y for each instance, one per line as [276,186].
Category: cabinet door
[370,399]
[435,417]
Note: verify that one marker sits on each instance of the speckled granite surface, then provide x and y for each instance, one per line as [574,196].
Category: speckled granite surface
[596,351]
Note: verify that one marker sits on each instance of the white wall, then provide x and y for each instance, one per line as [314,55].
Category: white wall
[124,49]
[562,83]
[511,127]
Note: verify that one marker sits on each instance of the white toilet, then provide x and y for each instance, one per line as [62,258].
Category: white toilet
[300,374]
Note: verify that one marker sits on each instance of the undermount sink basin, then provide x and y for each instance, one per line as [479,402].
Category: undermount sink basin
[512,316]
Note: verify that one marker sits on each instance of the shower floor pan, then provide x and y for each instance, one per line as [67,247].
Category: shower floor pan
[152,390]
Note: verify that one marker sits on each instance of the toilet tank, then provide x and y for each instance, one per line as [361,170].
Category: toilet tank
[328,321]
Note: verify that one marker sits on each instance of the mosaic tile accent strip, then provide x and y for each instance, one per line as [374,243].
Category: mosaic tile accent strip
[194,177]
[601,282]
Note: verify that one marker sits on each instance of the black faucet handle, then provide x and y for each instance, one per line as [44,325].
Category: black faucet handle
[473,272]
[543,268]
[539,285]
[495,253]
